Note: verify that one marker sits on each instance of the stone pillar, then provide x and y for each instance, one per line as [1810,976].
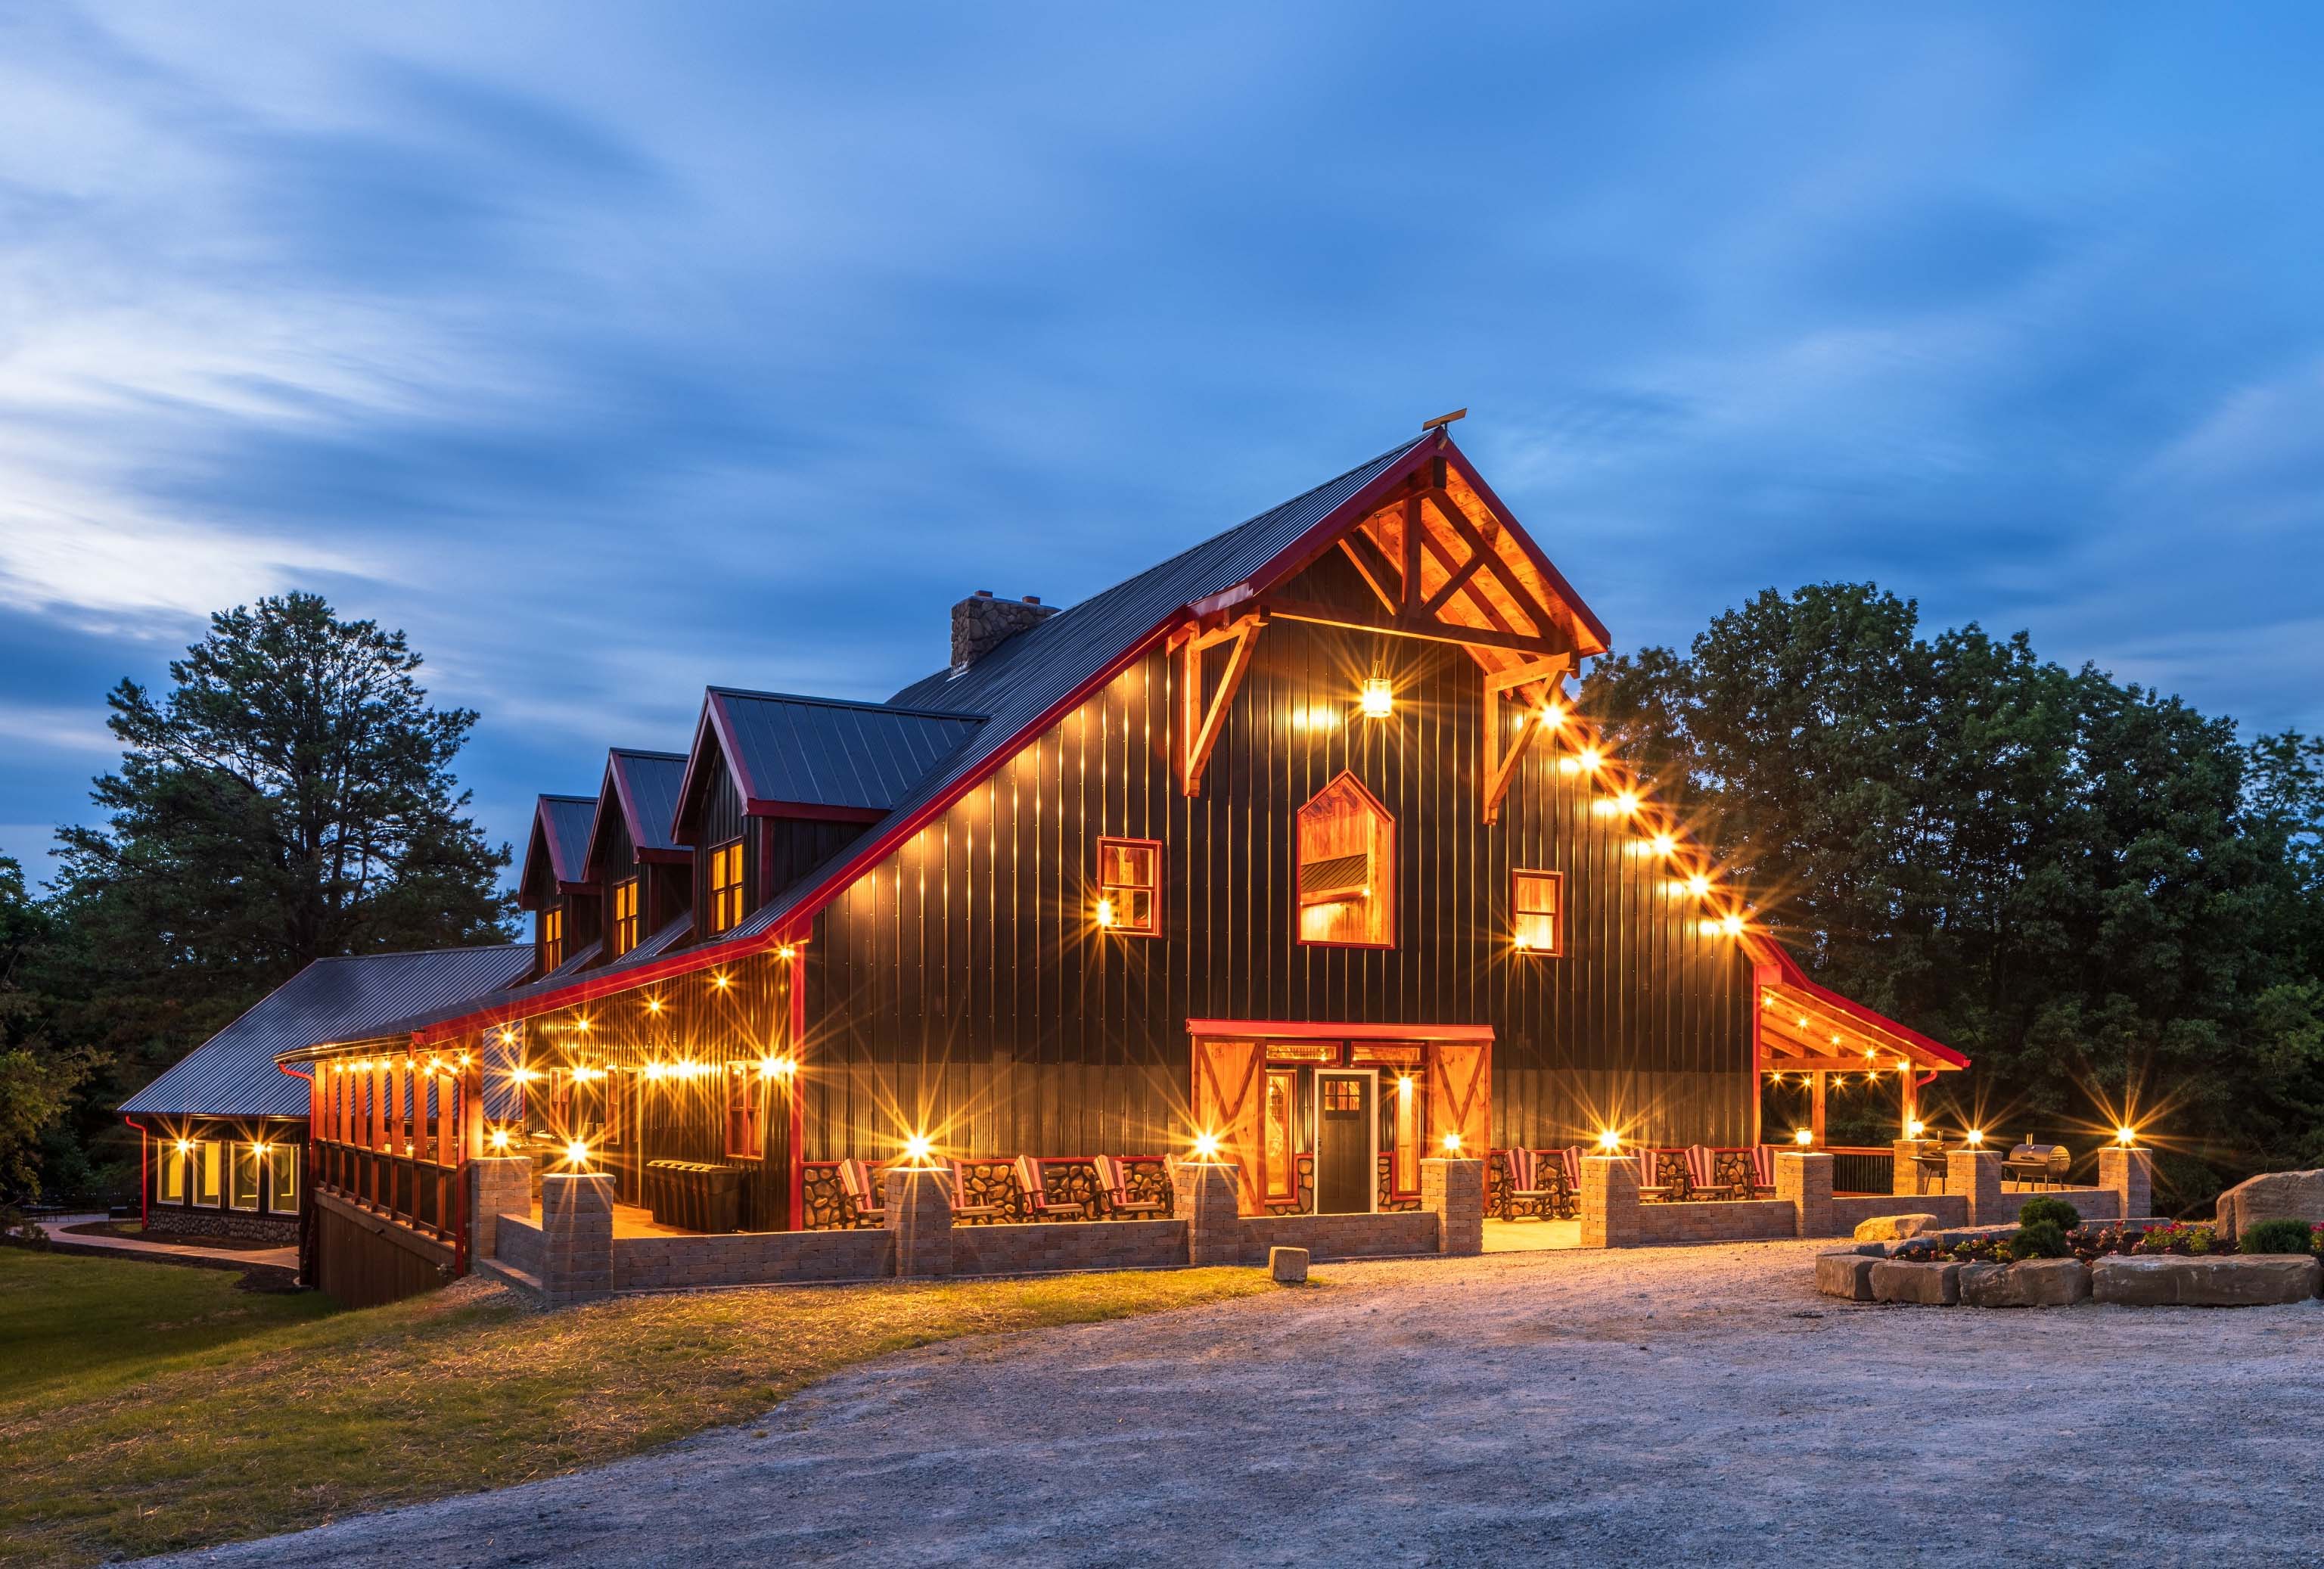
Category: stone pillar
[576,1236]
[1609,1201]
[1908,1178]
[919,1211]
[2130,1174]
[1202,1195]
[1976,1176]
[498,1185]
[1454,1192]
[1803,1181]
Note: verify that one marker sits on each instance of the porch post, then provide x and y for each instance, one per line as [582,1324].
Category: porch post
[1976,1176]
[1202,1193]
[1454,1191]
[576,1235]
[2130,1174]
[497,1185]
[919,1211]
[1803,1179]
[1609,1201]
[1815,1105]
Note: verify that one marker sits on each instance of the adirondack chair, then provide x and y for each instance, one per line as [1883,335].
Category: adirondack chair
[1703,1175]
[1038,1205]
[855,1180]
[1113,1176]
[1525,1170]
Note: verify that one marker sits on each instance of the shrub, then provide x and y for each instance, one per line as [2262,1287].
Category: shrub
[2181,1239]
[2056,1210]
[2039,1239]
[2285,1236]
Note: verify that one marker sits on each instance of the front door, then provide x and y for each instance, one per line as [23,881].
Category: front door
[1345,1132]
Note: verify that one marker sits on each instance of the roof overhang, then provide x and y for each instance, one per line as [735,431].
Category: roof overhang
[1804,1026]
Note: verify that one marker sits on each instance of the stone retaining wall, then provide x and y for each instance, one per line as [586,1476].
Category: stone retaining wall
[1375,1236]
[756,1259]
[1749,1220]
[179,1221]
[517,1243]
[1065,1245]
[1850,1211]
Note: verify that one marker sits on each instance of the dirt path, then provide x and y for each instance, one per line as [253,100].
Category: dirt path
[1666,1407]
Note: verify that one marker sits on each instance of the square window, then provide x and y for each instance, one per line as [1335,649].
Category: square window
[1537,911]
[1130,886]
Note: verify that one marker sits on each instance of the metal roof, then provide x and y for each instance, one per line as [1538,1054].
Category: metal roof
[233,1073]
[828,753]
[560,835]
[647,783]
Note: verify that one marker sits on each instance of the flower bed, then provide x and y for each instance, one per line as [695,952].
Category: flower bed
[2041,1264]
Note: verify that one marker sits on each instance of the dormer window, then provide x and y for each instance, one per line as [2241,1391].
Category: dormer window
[1347,868]
[623,926]
[552,937]
[725,911]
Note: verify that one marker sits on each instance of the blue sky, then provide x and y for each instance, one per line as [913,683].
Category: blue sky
[610,351]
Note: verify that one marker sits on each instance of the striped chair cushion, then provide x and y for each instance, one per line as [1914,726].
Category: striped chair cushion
[1649,1168]
[1571,1159]
[1522,1166]
[1763,1164]
[1700,1168]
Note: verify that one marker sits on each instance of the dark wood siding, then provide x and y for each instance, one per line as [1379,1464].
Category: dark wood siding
[962,986]
[791,847]
[722,820]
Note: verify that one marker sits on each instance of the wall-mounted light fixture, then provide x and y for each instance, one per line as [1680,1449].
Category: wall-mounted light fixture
[1378,697]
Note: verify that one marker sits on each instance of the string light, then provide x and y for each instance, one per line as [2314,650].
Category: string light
[1627,803]
[1552,717]
[653,1005]
[775,1067]
[787,951]
[1590,759]
[1698,885]
[1664,845]
[719,980]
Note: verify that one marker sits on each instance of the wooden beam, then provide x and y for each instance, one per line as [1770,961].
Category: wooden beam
[1356,546]
[1457,521]
[1443,632]
[1411,542]
[1500,767]
[1453,585]
[1815,1108]
[1200,723]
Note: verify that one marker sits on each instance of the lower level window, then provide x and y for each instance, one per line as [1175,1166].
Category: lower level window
[169,1175]
[208,1157]
[282,1177]
[247,1162]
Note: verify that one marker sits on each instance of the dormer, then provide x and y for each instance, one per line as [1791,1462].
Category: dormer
[555,886]
[778,784]
[645,879]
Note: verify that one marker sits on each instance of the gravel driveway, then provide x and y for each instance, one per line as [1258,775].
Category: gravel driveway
[1668,1406]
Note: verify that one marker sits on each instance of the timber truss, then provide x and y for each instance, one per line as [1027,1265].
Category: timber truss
[1440,565]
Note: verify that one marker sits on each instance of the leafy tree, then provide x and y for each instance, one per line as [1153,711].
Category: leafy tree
[37,1079]
[290,798]
[2099,893]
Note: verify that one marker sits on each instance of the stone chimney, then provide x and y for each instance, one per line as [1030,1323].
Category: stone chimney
[981,623]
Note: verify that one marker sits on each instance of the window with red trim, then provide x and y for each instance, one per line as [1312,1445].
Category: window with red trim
[1537,911]
[1130,886]
[1347,868]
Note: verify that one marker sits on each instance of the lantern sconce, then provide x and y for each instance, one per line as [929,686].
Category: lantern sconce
[1105,913]
[1378,697]
[1804,1136]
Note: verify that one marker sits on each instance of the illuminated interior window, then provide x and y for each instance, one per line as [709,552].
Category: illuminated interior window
[552,939]
[1537,910]
[170,1175]
[1129,885]
[1281,1140]
[726,887]
[245,1175]
[282,1177]
[209,1154]
[1347,868]
[744,1138]
[1403,1105]
[624,925]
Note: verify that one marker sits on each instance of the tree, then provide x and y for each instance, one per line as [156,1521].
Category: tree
[290,798]
[2101,895]
[37,1080]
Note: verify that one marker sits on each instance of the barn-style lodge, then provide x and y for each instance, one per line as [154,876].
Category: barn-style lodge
[1277,894]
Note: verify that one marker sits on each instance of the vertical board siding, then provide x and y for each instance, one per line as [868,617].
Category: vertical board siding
[964,988]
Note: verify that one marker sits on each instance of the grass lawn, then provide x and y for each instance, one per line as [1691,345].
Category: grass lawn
[145,1406]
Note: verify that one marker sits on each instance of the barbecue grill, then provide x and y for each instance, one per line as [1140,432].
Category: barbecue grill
[2041,1163]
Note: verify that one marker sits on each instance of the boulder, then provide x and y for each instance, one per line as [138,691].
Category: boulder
[1288,1266]
[1893,1228]
[2029,1283]
[2166,1280]
[1846,1274]
[2295,1195]
[1934,1285]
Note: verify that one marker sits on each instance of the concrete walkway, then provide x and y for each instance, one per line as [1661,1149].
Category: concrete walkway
[55,1226]
[1664,1405]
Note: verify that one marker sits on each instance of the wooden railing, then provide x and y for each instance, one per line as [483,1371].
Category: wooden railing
[402,1186]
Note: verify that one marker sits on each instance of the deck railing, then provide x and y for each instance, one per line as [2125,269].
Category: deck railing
[403,1186]
[1862,1168]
